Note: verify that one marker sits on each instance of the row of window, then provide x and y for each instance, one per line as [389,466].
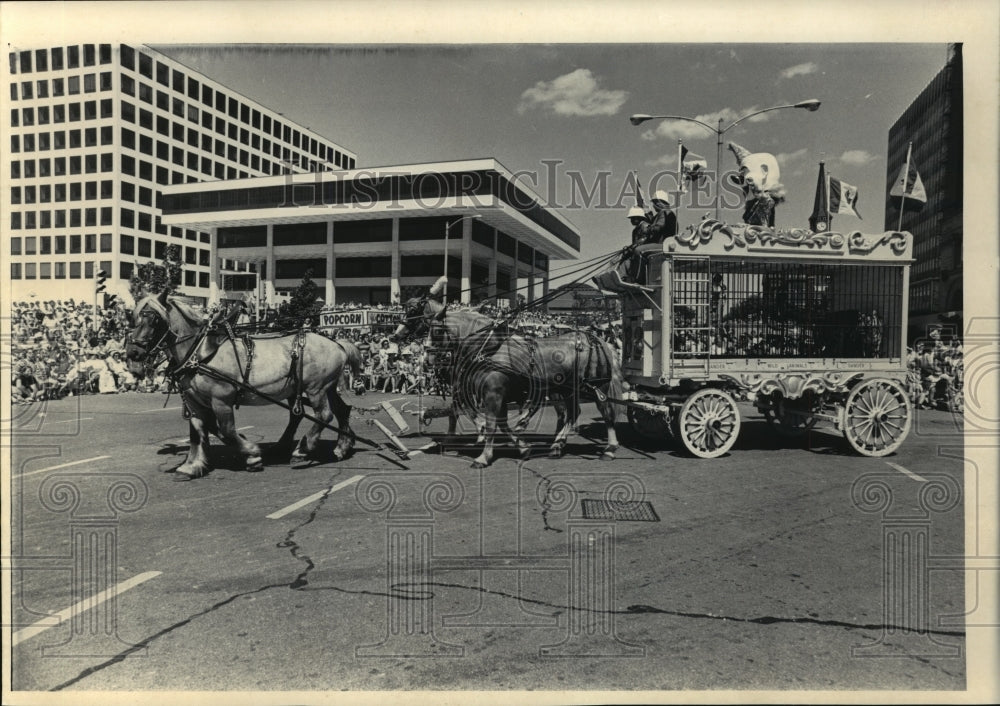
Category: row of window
[78,217]
[71,85]
[128,245]
[85,270]
[58,58]
[48,193]
[57,245]
[61,113]
[62,139]
[60,166]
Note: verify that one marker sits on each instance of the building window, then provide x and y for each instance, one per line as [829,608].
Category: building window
[72,57]
[60,270]
[43,89]
[190,255]
[128,111]
[74,244]
[162,74]
[125,270]
[29,245]
[88,270]
[43,141]
[27,90]
[105,242]
[73,85]
[89,83]
[15,270]
[90,243]
[204,257]
[178,107]
[127,56]
[28,116]
[15,143]
[145,119]
[146,93]
[178,81]
[127,218]
[58,87]
[57,59]
[60,245]
[90,137]
[74,112]
[89,55]
[74,270]
[45,245]
[15,246]
[128,165]
[29,270]
[74,218]
[189,278]
[45,270]
[146,65]
[106,216]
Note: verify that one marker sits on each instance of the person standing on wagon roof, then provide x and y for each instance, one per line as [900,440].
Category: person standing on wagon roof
[663,220]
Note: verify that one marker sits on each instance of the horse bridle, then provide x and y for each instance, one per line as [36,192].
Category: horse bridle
[160,344]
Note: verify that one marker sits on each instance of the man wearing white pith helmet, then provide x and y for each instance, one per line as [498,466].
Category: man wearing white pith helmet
[640,225]
[663,220]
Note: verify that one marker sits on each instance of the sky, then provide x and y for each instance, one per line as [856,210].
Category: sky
[558,113]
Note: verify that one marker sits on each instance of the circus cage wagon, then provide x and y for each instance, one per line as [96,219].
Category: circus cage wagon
[809,326]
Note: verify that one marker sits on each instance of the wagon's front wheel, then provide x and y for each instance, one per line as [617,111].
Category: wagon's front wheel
[877,417]
[709,422]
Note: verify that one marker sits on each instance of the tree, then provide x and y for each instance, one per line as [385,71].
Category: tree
[152,278]
[303,306]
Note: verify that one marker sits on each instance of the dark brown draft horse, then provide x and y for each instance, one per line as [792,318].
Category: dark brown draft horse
[206,362]
[492,367]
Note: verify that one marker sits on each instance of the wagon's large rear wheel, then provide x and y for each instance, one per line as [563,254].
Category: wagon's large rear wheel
[709,422]
[877,417]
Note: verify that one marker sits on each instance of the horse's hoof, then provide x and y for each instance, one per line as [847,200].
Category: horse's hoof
[255,464]
[477,465]
[300,461]
[607,456]
[555,452]
[182,477]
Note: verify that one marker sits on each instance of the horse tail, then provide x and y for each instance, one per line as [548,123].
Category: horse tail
[353,354]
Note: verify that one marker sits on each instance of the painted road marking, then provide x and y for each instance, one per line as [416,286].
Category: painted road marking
[906,472]
[187,439]
[158,409]
[86,604]
[67,421]
[64,465]
[313,498]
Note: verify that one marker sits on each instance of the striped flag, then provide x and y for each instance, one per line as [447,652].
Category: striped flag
[843,197]
[909,184]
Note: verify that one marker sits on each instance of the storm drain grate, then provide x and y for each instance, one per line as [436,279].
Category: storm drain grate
[620,510]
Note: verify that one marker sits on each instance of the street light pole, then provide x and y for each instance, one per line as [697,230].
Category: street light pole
[811,105]
[447,230]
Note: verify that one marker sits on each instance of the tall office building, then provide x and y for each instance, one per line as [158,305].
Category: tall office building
[95,132]
[933,124]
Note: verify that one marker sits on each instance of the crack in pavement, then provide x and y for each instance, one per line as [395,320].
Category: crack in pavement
[640,609]
[546,504]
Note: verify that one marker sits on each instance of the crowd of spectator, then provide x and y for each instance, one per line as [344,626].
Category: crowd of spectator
[61,348]
[936,373]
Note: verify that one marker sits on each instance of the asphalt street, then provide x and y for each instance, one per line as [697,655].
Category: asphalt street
[785,564]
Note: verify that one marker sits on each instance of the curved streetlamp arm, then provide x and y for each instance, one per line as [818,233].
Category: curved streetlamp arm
[810,105]
[639,119]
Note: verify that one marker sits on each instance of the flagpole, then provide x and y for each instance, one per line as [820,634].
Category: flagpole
[680,178]
[906,179]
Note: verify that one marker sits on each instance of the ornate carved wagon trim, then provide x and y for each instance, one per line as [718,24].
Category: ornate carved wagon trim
[792,385]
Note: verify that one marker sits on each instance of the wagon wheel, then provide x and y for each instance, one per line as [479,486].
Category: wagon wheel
[790,423]
[876,417]
[649,425]
[709,422]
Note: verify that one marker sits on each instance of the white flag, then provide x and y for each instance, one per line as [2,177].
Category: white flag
[843,197]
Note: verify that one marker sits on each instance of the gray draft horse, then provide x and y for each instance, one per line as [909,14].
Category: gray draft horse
[282,367]
[492,367]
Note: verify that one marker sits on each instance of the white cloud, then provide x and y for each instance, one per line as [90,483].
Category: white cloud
[786,158]
[576,93]
[809,67]
[857,157]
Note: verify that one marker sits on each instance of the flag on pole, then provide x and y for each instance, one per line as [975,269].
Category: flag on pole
[819,221]
[843,197]
[693,165]
[909,185]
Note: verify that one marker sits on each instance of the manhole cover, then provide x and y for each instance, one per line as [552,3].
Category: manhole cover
[620,510]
